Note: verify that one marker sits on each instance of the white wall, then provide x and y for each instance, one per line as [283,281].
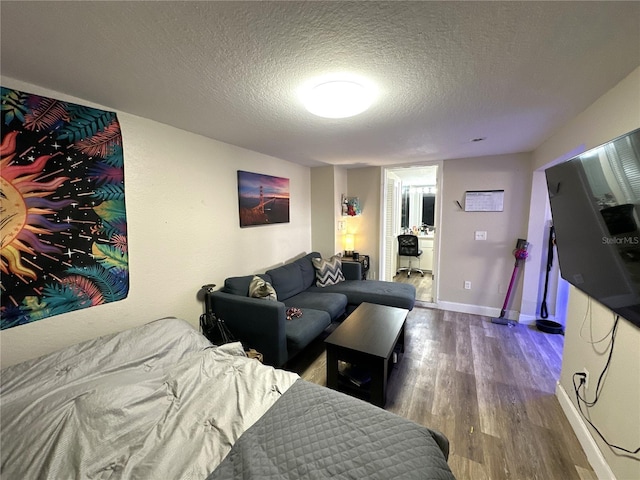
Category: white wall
[183,231]
[366,184]
[328,184]
[323,239]
[617,413]
[487,264]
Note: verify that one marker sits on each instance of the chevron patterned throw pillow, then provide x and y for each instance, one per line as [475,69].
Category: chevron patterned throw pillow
[328,272]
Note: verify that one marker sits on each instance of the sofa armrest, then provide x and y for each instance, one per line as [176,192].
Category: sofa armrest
[257,323]
[351,270]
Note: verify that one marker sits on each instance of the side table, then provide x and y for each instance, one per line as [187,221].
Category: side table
[363,260]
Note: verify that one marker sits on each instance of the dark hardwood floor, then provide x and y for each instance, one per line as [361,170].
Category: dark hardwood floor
[489,388]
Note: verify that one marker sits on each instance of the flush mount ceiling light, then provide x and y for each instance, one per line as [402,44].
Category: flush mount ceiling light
[335,97]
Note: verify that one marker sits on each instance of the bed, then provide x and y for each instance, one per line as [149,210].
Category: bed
[160,402]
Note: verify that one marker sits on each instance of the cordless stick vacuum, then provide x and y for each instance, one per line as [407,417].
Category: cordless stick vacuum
[521,255]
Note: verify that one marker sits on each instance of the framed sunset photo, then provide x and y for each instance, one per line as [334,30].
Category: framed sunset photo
[262,199]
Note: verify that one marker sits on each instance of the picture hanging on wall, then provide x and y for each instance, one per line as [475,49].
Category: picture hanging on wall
[262,199]
[63,223]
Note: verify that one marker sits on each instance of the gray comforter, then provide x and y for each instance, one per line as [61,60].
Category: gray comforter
[314,433]
[159,402]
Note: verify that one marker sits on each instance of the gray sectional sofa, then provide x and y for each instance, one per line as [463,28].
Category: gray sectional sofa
[262,324]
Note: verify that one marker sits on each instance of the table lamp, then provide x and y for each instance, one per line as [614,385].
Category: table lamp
[349,244]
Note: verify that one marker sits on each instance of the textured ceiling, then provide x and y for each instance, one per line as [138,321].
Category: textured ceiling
[448,72]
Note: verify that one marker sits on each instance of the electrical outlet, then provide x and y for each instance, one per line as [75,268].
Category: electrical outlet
[480,235]
[586,378]
[467,285]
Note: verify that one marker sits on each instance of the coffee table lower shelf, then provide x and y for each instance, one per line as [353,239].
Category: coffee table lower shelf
[364,391]
[371,337]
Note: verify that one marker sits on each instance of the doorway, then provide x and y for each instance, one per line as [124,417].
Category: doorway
[411,202]
[537,269]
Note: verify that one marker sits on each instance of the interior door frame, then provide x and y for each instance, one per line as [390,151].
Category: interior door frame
[387,247]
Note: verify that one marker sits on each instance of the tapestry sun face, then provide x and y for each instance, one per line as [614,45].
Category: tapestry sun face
[63,221]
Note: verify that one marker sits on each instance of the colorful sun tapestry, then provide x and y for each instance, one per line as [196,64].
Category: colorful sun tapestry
[63,222]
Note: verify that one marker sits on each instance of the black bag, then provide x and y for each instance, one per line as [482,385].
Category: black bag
[211,326]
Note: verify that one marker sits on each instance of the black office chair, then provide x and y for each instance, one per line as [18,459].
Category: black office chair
[408,247]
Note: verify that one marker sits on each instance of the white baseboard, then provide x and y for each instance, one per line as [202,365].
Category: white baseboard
[531,319]
[489,312]
[589,445]
[527,319]
[477,310]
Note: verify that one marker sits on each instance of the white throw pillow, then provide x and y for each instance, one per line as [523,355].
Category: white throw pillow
[260,288]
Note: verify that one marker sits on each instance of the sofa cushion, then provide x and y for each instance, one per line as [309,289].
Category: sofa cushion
[287,280]
[328,272]
[307,269]
[333,303]
[259,288]
[240,285]
[393,294]
[301,331]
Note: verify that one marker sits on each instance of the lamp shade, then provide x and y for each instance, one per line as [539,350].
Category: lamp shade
[349,242]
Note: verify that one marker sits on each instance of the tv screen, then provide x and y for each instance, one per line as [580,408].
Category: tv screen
[594,205]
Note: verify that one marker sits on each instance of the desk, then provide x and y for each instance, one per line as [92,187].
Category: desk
[426,245]
[364,262]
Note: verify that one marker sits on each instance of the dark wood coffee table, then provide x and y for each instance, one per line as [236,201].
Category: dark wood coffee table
[366,338]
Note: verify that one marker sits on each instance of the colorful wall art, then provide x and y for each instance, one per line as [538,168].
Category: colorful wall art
[62,208]
[262,199]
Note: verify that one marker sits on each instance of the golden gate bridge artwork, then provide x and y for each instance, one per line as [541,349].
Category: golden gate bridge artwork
[262,199]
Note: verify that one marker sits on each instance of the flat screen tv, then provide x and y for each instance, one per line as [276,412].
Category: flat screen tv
[595,198]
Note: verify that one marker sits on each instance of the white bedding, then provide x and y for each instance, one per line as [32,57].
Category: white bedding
[153,402]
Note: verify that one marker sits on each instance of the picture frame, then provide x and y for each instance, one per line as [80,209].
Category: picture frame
[262,199]
[350,206]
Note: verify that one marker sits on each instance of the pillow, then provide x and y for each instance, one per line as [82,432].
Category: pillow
[260,288]
[328,272]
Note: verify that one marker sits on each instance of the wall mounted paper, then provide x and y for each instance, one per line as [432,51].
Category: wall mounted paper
[484,201]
